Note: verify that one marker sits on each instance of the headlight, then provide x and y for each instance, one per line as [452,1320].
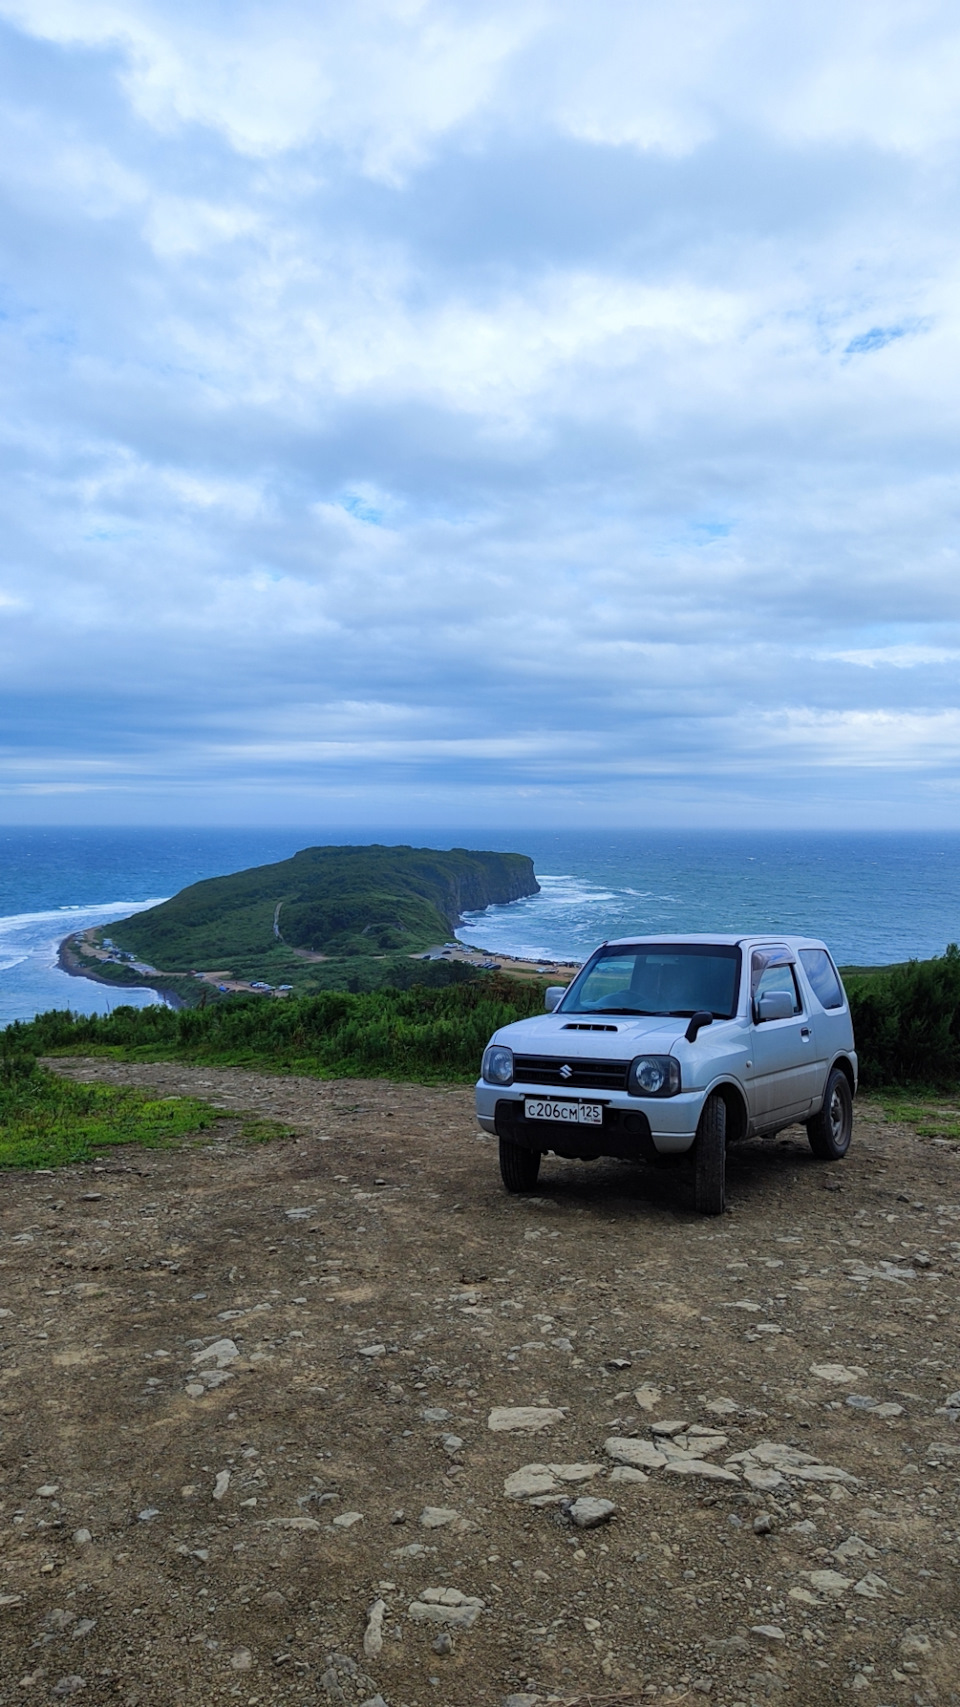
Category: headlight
[654,1076]
[497,1066]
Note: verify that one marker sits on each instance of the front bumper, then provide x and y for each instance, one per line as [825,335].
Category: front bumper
[641,1126]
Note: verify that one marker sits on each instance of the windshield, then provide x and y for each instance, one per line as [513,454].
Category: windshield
[679,979]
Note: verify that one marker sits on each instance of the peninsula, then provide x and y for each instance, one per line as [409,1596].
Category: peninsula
[351,917]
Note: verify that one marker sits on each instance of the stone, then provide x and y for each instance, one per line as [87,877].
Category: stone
[519,1419]
[241,1659]
[435,1414]
[520,1700]
[210,1378]
[762,1477]
[575,1472]
[626,1473]
[148,1514]
[70,1685]
[371,1350]
[221,1353]
[871,1586]
[804,1596]
[915,1644]
[722,1407]
[307,1524]
[829,1582]
[639,1454]
[8,1600]
[83,1627]
[768,1632]
[686,1466]
[763,1523]
[667,1428]
[82,1537]
[195,1389]
[860,1402]
[347,1519]
[854,1548]
[588,1512]
[48,1491]
[221,1484]
[840,1374]
[888,1409]
[446,1606]
[647,1396]
[529,1481]
[374,1701]
[437,1516]
[373,1634]
[452,1444]
[443,1643]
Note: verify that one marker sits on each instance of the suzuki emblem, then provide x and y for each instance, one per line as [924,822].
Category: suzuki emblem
[566,1072]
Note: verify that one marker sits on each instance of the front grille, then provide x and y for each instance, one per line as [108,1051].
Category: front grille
[584,1075]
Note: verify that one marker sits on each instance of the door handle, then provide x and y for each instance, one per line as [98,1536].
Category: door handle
[805,1032]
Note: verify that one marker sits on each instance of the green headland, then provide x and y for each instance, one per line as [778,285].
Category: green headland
[329,918]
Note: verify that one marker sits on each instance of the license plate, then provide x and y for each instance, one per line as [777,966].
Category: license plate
[569,1113]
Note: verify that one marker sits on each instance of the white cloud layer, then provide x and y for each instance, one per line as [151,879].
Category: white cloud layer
[495,407]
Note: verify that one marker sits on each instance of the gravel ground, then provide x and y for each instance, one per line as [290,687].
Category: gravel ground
[246,1395]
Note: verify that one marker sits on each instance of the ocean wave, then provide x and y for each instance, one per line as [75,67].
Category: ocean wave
[20,921]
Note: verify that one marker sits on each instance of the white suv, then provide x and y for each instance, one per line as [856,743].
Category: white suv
[661,1046]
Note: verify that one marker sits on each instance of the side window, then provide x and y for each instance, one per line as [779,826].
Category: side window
[780,978]
[824,982]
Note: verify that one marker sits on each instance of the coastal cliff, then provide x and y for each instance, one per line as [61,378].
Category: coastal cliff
[329,901]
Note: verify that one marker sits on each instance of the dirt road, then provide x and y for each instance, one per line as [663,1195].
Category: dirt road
[246,1396]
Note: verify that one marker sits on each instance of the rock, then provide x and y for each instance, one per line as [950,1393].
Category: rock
[575,1472]
[148,1513]
[588,1512]
[307,1524]
[373,1634]
[529,1481]
[854,1548]
[221,1484]
[47,1493]
[83,1627]
[452,1444]
[347,1519]
[520,1700]
[626,1473]
[221,1353]
[435,1414]
[722,1407]
[829,1582]
[443,1643]
[888,1409]
[686,1466]
[871,1586]
[647,1396]
[210,1378]
[667,1428]
[371,1350]
[195,1389]
[446,1606]
[763,1524]
[82,1537]
[530,1419]
[804,1596]
[762,1478]
[275,1599]
[437,1516]
[69,1685]
[639,1454]
[767,1632]
[241,1659]
[916,1644]
[374,1701]
[860,1402]
[840,1374]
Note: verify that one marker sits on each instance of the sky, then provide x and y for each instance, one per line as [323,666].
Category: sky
[438,411]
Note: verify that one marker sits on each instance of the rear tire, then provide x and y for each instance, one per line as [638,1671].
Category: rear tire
[519,1167]
[711,1157]
[830,1131]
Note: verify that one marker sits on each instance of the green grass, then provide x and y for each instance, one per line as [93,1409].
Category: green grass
[929,1115]
[50,1122]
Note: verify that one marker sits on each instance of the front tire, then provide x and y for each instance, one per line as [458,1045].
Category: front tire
[519,1167]
[711,1157]
[830,1131]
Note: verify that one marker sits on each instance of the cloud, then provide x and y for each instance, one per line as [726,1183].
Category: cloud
[434,408]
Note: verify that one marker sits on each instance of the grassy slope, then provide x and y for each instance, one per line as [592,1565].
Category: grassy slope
[342,901]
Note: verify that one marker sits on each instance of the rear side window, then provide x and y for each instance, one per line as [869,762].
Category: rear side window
[824,982]
[780,979]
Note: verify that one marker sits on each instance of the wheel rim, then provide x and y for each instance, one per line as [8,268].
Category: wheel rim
[837,1115]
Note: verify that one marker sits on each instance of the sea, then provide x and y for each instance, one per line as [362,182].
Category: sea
[875,898]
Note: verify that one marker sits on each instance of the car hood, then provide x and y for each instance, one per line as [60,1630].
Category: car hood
[617,1037]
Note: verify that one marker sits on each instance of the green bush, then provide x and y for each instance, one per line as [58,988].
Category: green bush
[907,1022]
[420,1033]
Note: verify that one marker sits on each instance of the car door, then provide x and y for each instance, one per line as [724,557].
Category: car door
[782,1077]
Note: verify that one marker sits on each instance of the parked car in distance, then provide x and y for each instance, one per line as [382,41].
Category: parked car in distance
[662,1046]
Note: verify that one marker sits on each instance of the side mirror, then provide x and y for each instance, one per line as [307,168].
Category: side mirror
[773,1004]
[553,995]
[701,1018]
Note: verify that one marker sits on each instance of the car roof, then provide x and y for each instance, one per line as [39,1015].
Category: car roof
[721,940]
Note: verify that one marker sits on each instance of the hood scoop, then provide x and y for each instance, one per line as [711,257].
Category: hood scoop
[572,1026]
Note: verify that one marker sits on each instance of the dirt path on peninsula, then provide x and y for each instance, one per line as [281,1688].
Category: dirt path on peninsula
[245,1396]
